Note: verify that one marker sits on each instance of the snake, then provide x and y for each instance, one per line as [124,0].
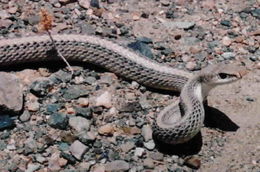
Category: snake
[178,122]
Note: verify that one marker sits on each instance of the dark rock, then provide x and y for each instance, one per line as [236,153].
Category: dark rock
[68,157]
[64,146]
[87,137]
[252,49]
[52,108]
[144,40]
[145,15]
[124,30]
[167,51]
[142,48]
[74,92]
[41,87]
[84,112]
[131,107]
[250,99]
[256,13]
[170,14]
[59,121]
[90,80]
[95,3]
[2,145]
[226,23]
[97,109]
[6,122]
[11,93]
[61,76]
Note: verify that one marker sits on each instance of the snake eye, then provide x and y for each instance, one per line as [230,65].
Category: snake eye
[223,75]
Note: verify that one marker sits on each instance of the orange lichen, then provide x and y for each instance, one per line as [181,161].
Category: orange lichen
[46,20]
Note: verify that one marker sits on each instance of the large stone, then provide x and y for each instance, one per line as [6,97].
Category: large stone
[11,93]
[147,132]
[58,120]
[80,124]
[117,165]
[78,149]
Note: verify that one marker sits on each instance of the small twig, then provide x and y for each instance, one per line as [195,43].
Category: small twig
[59,53]
[46,25]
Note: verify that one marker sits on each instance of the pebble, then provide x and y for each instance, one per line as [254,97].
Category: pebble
[126,147]
[87,137]
[5,23]
[79,124]
[11,94]
[117,166]
[106,130]
[192,162]
[78,149]
[104,99]
[75,92]
[98,168]
[142,48]
[84,3]
[58,120]
[25,116]
[191,65]
[52,108]
[32,167]
[148,163]
[228,55]
[83,102]
[226,23]
[33,106]
[139,152]
[147,132]
[84,112]
[55,162]
[6,122]
[226,41]
[156,156]
[150,145]
[4,14]
[41,86]
[186,25]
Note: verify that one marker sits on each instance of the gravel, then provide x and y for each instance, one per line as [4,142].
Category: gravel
[96,121]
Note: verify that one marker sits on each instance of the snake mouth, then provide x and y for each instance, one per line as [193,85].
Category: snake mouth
[242,73]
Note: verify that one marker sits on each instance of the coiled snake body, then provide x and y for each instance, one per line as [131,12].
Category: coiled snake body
[178,122]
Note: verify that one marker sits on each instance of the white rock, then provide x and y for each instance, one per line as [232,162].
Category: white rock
[147,132]
[84,3]
[104,100]
[139,152]
[150,145]
[79,123]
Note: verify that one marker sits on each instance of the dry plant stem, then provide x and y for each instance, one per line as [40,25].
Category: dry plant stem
[59,53]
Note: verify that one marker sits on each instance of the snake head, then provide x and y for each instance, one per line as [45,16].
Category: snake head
[219,74]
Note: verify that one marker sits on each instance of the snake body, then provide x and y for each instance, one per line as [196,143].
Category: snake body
[123,62]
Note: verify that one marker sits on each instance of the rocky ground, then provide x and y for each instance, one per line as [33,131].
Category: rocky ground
[96,121]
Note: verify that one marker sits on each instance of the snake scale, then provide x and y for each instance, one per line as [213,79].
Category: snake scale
[177,123]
